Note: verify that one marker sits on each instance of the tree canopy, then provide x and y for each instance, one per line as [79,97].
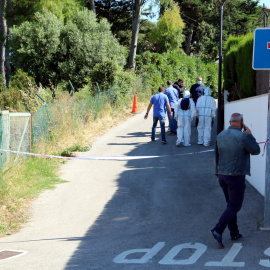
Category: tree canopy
[167,35]
[50,50]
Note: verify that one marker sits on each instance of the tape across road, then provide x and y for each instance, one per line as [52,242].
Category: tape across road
[115,158]
[101,158]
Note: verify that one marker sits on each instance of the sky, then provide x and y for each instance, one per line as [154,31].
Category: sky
[156,10]
[266,2]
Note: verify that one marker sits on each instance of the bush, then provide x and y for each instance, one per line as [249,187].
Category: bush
[34,46]
[50,51]
[239,77]
[156,69]
[21,92]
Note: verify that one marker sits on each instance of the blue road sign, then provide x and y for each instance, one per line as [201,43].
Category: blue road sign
[261,49]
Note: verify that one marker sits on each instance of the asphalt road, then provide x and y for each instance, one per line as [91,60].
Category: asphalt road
[140,214]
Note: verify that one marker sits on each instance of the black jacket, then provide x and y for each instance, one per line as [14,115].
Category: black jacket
[180,89]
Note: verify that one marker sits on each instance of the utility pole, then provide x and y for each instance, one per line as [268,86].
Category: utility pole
[266,11]
[219,116]
[261,61]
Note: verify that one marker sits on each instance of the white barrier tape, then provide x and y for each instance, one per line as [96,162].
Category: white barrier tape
[101,158]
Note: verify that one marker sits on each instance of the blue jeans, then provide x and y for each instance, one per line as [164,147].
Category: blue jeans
[234,189]
[172,122]
[162,127]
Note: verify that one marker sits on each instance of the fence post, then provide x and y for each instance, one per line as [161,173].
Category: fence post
[5,136]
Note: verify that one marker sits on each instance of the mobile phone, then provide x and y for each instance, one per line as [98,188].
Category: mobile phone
[244,127]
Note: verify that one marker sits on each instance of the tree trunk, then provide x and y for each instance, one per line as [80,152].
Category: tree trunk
[135,33]
[7,63]
[3,35]
[161,10]
[188,44]
[91,5]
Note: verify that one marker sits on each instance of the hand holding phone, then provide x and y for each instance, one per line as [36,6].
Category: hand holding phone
[246,129]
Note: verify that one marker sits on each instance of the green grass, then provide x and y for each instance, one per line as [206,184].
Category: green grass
[19,184]
[75,148]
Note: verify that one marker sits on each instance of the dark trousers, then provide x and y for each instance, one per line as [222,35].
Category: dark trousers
[234,189]
[162,127]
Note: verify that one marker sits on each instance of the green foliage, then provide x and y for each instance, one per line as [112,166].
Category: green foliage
[23,10]
[124,82]
[202,19]
[50,51]
[104,74]
[231,42]
[75,148]
[119,15]
[63,9]
[144,43]
[168,33]
[34,46]
[156,69]
[239,77]
[21,92]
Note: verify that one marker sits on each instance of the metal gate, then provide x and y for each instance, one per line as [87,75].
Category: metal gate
[15,133]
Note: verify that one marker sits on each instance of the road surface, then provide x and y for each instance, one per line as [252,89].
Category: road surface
[139,214]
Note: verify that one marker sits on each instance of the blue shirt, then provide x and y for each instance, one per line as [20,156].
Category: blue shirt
[172,95]
[159,101]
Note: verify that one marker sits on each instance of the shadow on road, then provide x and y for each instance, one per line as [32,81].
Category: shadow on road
[175,199]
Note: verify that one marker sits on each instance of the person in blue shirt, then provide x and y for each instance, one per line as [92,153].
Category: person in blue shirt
[197,90]
[173,97]
[160,102]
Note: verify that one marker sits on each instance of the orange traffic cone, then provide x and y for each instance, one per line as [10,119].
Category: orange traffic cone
[135,107]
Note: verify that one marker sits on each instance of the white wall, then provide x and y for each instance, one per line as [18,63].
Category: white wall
[255,111]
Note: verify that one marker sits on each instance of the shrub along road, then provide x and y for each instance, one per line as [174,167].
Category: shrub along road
[138,214]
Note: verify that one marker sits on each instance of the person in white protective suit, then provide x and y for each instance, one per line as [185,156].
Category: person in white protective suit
[184,115]
[206,112]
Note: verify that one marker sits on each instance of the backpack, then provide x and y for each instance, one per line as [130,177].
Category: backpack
[185,104]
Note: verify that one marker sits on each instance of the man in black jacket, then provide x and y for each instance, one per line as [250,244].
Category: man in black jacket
[197,90]
[179,86]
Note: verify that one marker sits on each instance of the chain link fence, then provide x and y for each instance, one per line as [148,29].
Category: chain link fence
[19,131]
[46,119]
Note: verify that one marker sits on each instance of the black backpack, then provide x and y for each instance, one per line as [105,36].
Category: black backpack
[184,105]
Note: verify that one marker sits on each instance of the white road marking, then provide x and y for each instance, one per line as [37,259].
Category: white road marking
[265,263]
[169,257]
[22,252]
[149,254]
[228,259]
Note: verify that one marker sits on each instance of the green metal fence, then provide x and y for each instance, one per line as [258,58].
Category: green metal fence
[49,115]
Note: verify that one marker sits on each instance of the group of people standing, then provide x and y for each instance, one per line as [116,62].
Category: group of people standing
[233,146]
[181,109]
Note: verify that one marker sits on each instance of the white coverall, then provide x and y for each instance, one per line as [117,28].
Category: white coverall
[205,110]
[184,121]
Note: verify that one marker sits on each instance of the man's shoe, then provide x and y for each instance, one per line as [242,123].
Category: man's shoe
[170,133]
[164,142]
[236,237]
[217,237]
[152,140]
